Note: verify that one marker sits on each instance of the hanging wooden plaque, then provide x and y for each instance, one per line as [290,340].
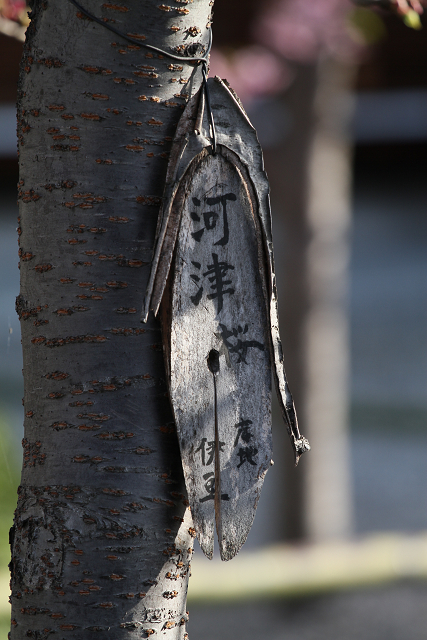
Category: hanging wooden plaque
[213,276]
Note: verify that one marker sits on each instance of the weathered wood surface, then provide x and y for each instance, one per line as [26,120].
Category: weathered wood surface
[218,313]
[220,316]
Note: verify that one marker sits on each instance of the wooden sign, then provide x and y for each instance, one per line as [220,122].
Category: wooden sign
[213,273]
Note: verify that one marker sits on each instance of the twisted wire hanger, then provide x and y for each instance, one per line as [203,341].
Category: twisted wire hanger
[195,59]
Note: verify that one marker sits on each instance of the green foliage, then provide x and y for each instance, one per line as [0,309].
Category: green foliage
[4,625]
[412,20]
[9,481]
[368,25]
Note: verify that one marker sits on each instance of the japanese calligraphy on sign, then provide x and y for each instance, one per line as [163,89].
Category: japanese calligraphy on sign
[220,301]
[210,217]
[220,328]
[244,454]
[217,272]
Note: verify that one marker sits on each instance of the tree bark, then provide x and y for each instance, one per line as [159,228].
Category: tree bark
[102,538]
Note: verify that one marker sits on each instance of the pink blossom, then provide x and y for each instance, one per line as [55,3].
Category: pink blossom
[303,30]
[251,71]
[12,9]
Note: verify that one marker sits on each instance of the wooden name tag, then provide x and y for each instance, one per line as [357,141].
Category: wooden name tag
[213,275]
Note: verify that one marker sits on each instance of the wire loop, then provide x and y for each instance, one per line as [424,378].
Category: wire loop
[208,104]
[198,60]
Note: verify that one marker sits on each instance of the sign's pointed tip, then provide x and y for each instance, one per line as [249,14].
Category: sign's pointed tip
[207,548]
[145,310]
[228,550]
[300,446]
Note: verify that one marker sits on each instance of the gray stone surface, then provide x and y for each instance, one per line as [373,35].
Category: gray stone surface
[395,612]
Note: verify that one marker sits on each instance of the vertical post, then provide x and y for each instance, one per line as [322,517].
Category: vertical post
[310,185]
[327,483]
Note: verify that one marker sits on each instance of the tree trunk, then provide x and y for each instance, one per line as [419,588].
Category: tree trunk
[287,171]
[310,177]
[102,538]
[326,350]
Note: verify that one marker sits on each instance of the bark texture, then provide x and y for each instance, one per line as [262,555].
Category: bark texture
[103,536]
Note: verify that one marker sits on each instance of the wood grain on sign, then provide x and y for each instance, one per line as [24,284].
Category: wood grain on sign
[220,369]
[213,272]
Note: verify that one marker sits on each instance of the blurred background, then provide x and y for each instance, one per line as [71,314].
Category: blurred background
[338,95]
